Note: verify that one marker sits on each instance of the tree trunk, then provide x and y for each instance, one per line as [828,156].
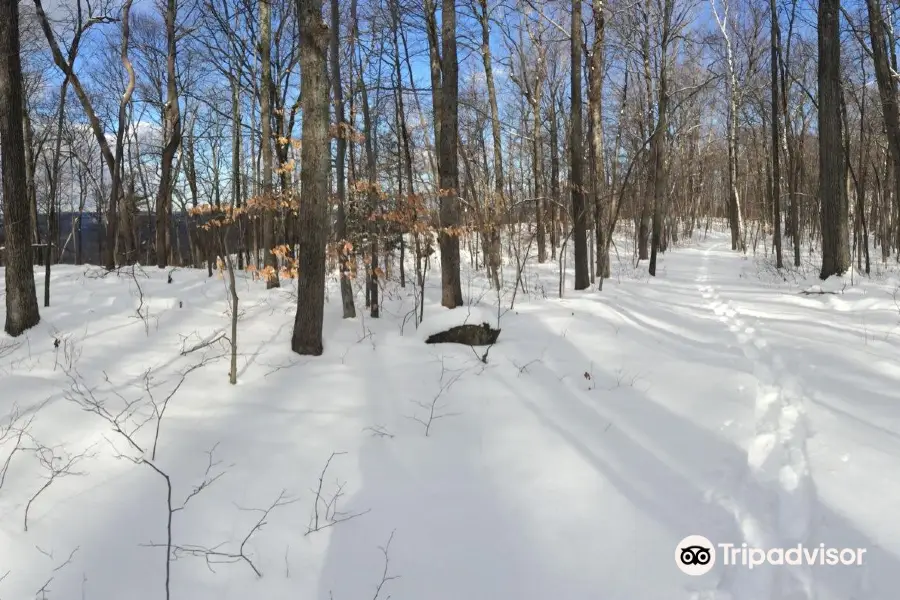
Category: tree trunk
[173,128]
[555,195]
[112,220]
[30,184]
[53,177]
[448,171]
[371,192]
[343,132]
[538,168]
[314,189]
[595,100]
[496,202]
[887,85]
[658,139]
[21,296]
[265,117]
[832,184]
[236,149]
[644,217]
[434,58]
[734,202]
[576,145]
[776,135]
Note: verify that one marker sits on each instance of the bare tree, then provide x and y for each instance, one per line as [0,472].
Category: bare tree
[595,102]
[576,150]
[313,212]
[343,133]
[492,235]
[775,43]
[832,165]
[451,295]
[21,296]
[734,210]
[124,103]
[172,139]
[265,119]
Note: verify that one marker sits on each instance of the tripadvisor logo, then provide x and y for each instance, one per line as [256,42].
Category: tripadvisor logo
[695,555]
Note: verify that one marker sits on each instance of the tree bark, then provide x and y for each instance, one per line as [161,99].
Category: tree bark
[343,132]
[555,196]
[734,202]
[173,129]
[434,59]
[448,171]
[595,101]
[372,192]
[236,149]
[776,134]
[496,202]
[658,139]
[22,311]
[576,145]
[644,217]
[265,117]
[53,176]
[313,210]
[832,182]
[887,85]
[112,221]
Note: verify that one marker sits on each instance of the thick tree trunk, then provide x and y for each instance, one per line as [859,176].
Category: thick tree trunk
[832,183]
[448,171]
[576,145]
[21,297]
[313,210]
[173,129]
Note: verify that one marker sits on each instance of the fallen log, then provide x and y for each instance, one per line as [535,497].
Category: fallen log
[470,335]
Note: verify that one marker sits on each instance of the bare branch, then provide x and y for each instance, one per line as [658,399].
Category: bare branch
[57,466]
[331,517]
[213,555]
[384,574]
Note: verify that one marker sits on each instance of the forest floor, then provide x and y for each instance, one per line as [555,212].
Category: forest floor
[716,399]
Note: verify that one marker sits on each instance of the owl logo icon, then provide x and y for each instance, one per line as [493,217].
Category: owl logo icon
[695,555]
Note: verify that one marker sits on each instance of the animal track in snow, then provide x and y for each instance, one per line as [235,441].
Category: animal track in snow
[777,498]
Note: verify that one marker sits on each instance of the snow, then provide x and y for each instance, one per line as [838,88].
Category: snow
[604,427]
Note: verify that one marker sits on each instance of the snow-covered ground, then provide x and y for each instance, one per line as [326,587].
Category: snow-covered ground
[603,428]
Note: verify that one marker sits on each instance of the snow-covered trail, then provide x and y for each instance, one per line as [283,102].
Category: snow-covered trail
[776,501]
[603,429]
[610,426]
[796,445]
